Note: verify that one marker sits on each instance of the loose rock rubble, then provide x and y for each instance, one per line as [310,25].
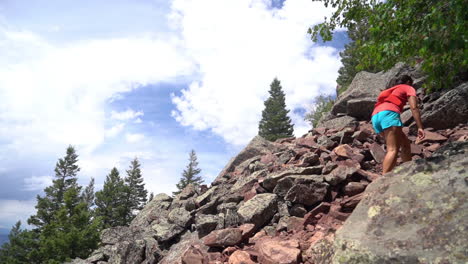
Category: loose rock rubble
[275,202]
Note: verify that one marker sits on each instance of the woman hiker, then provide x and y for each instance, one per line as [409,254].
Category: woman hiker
[386,120]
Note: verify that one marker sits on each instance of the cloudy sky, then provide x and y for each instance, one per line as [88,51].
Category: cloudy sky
[151,79]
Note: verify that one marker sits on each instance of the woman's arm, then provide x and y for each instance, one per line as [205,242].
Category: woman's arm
[413,101]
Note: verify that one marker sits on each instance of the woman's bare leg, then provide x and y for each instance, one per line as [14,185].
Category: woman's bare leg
[391,140]
[405,147]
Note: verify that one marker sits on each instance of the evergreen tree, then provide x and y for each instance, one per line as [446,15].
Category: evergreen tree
[189,175]
[88,194]
[275,122]
[20,246]
[73,233]
[66,171]
[136,192]
[111,201]
[323,104]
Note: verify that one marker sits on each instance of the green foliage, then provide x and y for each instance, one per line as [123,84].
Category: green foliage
[189,175]
[66,171]
[88,194]
[20,247]
[72,234]
[111,201]
[136,192]
[323,104]
[64,228]
[275,122]
[434,31]
[350,56]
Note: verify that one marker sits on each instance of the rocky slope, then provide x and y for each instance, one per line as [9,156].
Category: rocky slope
[318,198]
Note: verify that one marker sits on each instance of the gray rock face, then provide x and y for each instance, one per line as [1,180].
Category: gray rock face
[152,211]
[339,174]
[205,224]
[165,231]
[259,210]
[174,254]
[307,194]
[369,85]
[449,110]
[180,217]
[361,108]
[257,146]
[337,122]
[114,235]
[271,180]
[417,214]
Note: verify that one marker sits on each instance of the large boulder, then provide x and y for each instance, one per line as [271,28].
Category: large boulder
[155,209]
[365,88]
[449,110]
[259,210]
[417,214]
[257,146]
[333,122]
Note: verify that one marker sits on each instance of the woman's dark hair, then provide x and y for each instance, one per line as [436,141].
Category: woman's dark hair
[405,79]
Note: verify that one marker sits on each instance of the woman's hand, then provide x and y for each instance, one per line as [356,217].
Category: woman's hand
[421,134]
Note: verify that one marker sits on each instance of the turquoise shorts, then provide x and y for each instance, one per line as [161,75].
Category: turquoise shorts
[385,119]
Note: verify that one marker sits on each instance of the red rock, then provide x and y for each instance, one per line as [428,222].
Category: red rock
[415,149]
[240,257]
[377,152]
[359,135]
[349,163]
[344,151]
[279,252]
[249,195]
[308,142]
[213,257]
[368,175]
[351,202]
[309,218]
[223,237]
[285,140]
[229,250]
[433,147]
[268,158]
[353,188]
[319,130]
[258,236]
[431,137]
[247,230]
[295,224]
[463,138]
[258,188]
[194,255]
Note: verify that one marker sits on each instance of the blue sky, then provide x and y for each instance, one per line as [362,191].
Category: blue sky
[151,79]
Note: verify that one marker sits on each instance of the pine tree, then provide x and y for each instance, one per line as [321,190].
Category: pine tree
[275,122]
[66,171]
[189,175]
[73,233]
[111,201]
[88,194]
[19,247]
[150,197]
[136,192]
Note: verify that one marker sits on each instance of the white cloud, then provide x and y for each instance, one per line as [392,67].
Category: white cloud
[240,46]
[114,130]
[14,210]
[57,95]
[126,115]
[134,138]
[37,183]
